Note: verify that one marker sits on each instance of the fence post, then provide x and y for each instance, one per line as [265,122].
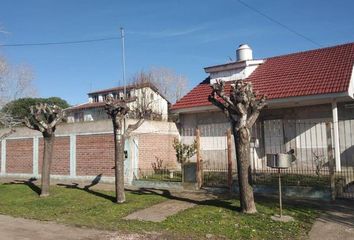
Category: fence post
[229,160]
[199,160]
[330,160]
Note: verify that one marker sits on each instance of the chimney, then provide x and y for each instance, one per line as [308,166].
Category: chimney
[243,53]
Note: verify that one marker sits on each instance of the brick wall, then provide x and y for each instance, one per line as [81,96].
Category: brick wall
[19,156]
[95,155]
[61,156]
[94,152]
[156,145]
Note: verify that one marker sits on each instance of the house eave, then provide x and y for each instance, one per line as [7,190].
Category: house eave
[282,102]
[232,65]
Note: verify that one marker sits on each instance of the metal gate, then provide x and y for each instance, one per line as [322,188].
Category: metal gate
[345,177]
[311,139]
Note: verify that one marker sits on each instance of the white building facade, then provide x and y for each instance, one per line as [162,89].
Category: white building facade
[147,97]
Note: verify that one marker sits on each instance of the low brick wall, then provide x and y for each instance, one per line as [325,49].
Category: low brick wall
[19,155]
[152,147]
[85,150]
[95,155]
[61,156]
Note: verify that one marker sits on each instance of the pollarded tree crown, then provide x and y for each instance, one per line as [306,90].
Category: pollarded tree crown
[44,117]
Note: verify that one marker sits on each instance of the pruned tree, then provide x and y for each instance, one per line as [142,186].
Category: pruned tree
[118,110]
[242,108]
[19,108]
[44,118]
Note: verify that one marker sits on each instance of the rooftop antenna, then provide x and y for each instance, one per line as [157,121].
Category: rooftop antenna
[123,61]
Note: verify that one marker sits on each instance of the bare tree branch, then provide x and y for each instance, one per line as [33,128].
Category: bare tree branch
[28,124]
[169,83]
[217,103]
[133,127]
[15,82]
[218,89]
[44,117]
[255,112]
[5,135]
[37,112]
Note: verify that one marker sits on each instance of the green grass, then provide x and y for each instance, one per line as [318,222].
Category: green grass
[217,217]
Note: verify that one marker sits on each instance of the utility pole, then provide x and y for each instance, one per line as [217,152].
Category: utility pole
[123,61]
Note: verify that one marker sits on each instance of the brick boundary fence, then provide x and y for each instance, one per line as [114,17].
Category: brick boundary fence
[83,155]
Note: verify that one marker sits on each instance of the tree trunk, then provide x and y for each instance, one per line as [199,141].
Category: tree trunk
[47,162]
[119,165]
[242,146]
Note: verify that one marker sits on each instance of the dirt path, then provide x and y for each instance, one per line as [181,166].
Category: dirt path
[178,202]
[24,229]
[337,222]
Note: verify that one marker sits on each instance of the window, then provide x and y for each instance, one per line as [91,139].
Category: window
[79,117]
[95,98]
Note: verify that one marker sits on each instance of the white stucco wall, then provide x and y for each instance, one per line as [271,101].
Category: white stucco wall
[154,100]
[232,72]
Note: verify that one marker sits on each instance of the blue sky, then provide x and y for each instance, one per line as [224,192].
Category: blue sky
[183,35]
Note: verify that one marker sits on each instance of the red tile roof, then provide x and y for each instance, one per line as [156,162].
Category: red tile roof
[320,71]
[87,106]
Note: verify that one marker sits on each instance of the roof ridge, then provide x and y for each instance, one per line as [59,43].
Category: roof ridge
[330,72]
[311,50]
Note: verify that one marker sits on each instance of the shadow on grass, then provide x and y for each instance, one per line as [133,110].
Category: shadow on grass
[201,202]
[30,183]
[87,189]
[342,212]
[339,211]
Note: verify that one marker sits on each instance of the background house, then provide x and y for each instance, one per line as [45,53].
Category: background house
[148,97]
[306,91]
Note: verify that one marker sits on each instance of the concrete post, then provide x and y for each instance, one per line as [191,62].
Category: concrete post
[199,160]
[3,156]
[72,155]
[336,136]
[35,156]
[229,159]
[330,161]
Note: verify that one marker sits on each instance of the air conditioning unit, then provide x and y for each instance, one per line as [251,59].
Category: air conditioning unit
[280,160]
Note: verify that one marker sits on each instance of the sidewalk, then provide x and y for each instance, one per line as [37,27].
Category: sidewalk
[337,222]
[27,229]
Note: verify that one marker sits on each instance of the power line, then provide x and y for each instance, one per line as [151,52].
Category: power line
[279,23]
[59,43]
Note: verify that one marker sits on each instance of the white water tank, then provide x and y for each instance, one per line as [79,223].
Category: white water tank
[243,53]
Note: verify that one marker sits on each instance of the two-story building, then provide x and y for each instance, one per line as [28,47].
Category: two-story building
[146,94]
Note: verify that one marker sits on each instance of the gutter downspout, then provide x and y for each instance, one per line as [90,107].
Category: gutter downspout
[336,136]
